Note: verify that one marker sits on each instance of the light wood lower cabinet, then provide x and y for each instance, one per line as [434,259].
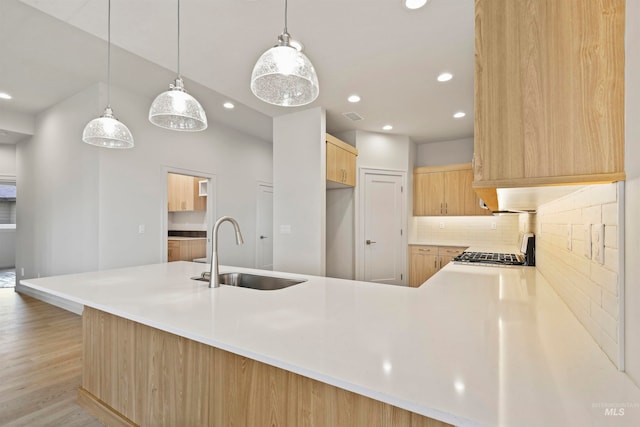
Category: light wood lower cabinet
[135,375]
[425,261]
[186,250]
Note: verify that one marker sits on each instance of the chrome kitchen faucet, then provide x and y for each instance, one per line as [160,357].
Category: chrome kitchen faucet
[214,275]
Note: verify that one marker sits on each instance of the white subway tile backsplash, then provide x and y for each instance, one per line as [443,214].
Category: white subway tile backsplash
[610,214]
[604,277]
[468,230]
[611,236]
[589,288]
[610,304]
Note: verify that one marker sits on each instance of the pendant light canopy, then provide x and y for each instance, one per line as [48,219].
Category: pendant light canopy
[107,131]
[284,75]
[175,109]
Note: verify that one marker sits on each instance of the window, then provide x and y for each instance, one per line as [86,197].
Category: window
[7,203]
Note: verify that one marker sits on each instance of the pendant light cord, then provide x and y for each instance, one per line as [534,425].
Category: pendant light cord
[285,16]
[109,55]
[178,38]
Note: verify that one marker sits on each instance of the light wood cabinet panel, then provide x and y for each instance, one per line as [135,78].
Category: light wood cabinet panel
[341,163]
[173,250]
[183,193]
[423,264]
[549,92]
[428,194]
[446,254]
[445,191]
[425,261]
[135,375]
[186,250]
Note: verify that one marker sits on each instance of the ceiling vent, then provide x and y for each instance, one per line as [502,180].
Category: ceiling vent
[354,117]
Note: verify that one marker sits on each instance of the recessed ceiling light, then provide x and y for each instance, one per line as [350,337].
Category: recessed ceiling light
[445,77]
[353,98]
[459,114]
[414,4]
[228,105]
[4,95]
[387,127]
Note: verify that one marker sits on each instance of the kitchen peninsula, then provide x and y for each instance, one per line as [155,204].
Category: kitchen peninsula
[473,346]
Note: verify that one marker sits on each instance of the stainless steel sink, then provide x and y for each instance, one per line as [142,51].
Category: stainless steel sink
[252,281]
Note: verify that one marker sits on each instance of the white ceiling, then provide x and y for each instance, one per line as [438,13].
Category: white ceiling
[387,54]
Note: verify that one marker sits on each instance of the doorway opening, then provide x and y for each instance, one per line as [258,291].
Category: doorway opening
[7,234]
[264,226]
[188,213]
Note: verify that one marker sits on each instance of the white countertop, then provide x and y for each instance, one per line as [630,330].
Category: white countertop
[185,238]
[473,346]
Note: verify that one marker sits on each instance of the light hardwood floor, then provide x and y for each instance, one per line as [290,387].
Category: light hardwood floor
[40,364]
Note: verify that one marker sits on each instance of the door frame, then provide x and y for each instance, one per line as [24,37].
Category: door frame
[164,212]
[259,186]
[360,220]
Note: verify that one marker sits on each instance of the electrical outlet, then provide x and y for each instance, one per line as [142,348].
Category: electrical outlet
[441,224]
[494,225]
[569,236]
[141,229]
[22,272]
[597,242]
[285,229]
[587,241]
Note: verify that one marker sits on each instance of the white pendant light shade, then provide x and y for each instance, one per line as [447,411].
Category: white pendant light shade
[284,76]
[175,109]
[108,132]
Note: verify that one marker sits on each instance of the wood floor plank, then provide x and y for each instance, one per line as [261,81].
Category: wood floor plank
[40,364]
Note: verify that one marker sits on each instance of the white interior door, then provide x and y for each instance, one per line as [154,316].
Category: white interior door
[382,227]
[264,227]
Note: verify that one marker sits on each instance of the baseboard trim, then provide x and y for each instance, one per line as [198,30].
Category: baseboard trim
[103,412]
[65,304]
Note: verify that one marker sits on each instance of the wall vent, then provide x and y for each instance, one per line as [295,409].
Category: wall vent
[354,117]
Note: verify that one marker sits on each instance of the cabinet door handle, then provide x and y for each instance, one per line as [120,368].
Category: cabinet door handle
[446,207]
[435,263]
[441,207]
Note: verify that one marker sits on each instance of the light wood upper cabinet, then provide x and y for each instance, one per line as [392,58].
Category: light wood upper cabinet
[549,93]
[183,193]
[445,190]
[341,163]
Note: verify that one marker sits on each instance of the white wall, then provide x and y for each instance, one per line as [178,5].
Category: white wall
[632,192]
[444,152]
[340,233]
[383,151]
[80,206]
[7,161]
[299,198]
[16,122]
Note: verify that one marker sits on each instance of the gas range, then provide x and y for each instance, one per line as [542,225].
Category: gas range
[527,257]
[490,258]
